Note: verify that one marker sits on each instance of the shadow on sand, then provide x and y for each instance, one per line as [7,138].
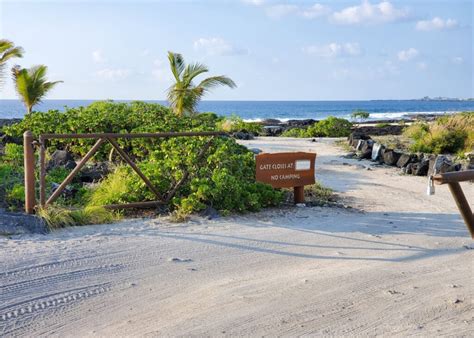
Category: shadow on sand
[356,236]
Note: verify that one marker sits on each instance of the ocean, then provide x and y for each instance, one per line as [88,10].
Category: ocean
[283,110]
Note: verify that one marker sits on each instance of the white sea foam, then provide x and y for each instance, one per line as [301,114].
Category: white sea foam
[372,117]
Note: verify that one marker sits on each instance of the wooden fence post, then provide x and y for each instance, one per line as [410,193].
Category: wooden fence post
[29,161]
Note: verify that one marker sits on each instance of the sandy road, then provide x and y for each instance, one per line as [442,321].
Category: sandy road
[400,264]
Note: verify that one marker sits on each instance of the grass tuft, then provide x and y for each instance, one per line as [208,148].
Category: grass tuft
[59,217]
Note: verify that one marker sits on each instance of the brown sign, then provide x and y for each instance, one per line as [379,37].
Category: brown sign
[286,170]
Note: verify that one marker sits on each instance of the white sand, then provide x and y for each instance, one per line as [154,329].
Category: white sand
[402,265]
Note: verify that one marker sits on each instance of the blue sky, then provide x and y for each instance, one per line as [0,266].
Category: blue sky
[274,50]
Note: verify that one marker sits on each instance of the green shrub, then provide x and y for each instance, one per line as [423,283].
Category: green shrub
[235,124]
[13,154]
[330,127]
[224,179]
[360,115]
[383,125]
[448,134]
[110,117]
[11,179]
[295,132]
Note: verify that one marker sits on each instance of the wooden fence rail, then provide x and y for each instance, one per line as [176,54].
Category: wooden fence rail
[102,138]
[452,179]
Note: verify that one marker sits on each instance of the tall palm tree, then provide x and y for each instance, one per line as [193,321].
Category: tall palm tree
[31,84]
[7,52]
[184,95]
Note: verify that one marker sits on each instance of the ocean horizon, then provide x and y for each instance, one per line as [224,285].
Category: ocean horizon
[282,110]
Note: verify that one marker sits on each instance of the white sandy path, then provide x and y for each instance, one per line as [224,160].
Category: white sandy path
[396,267]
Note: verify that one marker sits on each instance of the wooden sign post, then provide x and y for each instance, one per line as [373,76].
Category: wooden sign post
[287,170]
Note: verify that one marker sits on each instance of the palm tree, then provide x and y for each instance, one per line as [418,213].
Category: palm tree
[31,84]
[184,95]
[8,51]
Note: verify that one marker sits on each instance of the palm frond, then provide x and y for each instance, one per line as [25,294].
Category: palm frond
[193,70]
[177,64]
[31,84]
[214,81]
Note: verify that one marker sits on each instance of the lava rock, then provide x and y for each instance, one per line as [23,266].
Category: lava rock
[61,159]
[367,154]
[390,157]
[377,151]
[94,172]
[12,223]
[439,164]
[270,122]
[421,168]
[300,123]
[210,213]
[242,135]
[272,130]
[405,159]
[367,146]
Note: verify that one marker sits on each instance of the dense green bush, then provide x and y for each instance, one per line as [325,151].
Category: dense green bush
[329,127]
[224,179]
[109,117]
[448,134]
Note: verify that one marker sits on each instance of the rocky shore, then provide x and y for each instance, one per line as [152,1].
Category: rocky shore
[418,164]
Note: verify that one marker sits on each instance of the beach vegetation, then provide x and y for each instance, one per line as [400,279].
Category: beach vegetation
[8,51]
[57,216]
[235,123]
[329,127]
[184,95]
[31,85]
[360,115]
[452,134]
[382,125]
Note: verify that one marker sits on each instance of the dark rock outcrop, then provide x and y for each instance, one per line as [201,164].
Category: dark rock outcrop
[12,223]
[61,159]
[390,157]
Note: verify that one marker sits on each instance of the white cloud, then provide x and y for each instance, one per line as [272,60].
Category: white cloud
[366,13]
[278,11]
[334,50]
[421,65]
[218,46]
[315,11]
[408,54]
[457,60]
[436,24]
[254,2]
[98,57]
[113,73]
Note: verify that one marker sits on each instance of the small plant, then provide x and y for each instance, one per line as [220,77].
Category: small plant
[317,193]
[360,115]
[237,124]
[330,127]
[383,125]
[295,132]
[60,217]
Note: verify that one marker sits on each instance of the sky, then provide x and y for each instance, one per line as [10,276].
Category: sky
[273,50]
